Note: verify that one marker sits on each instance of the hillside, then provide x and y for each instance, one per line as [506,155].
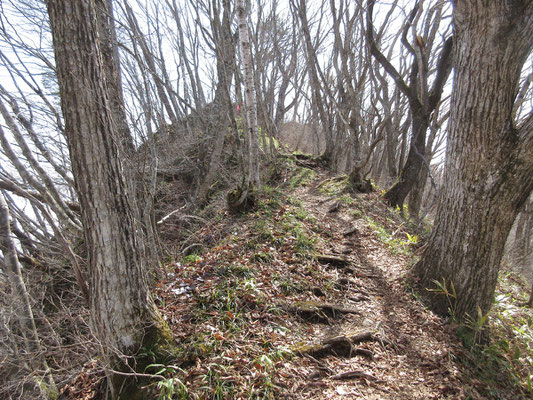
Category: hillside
[304,297]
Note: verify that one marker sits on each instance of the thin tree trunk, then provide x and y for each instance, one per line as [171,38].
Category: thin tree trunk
[109,48]
[530,301]
[21,302]
[238,198]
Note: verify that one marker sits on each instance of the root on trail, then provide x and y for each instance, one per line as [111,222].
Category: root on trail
[332,260]
[342,346]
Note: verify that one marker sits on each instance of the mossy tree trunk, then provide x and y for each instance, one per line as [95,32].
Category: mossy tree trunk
[489,157]
[123,315]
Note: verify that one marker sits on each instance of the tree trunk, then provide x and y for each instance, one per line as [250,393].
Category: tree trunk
[109,48]
[123,315]
[240,198]
[422,101]
[396,195]
[218,121]
[489,161]
[317,102]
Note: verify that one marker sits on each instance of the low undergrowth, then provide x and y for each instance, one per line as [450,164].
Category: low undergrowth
[231,326]
[508,358]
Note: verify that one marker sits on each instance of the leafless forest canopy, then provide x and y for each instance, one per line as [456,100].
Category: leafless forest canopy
[365,86]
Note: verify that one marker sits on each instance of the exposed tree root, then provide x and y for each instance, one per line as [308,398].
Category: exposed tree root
[240,200]
[333,260]
[342,346]
[350,231]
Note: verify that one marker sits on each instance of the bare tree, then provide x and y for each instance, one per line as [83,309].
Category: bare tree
[240,197]
[124,317]
[422,99]
[21,303]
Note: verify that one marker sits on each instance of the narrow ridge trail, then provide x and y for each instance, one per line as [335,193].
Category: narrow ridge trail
[303,297]
[410,357]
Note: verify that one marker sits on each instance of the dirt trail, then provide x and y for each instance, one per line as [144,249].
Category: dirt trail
[411,356]
[303,297]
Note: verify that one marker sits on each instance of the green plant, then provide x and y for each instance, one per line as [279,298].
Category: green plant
[412,238]
[334,186]
[346,199]
[170,387]
[357,213]
[475,326]
[449,293]
[264,232]
[215,385]
[191,258]
[303,177]
[395,245]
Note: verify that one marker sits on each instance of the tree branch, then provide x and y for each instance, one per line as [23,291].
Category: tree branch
[378,55]
[444,68]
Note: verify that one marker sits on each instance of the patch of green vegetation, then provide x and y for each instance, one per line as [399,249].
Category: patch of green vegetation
[288,285]
[170,386]
[262,257]
[511,328]
[394,244]
[216,384]
[346,199]
[335,186]
[293,228]
[263,231]
[191,258]
[508,357]
[357,213]
[302,177]
[240,270]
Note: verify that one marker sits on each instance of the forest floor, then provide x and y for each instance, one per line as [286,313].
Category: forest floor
[304,297]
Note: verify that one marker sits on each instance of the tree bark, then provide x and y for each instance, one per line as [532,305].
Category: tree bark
[410,172]
[530,301]
[123,315]
[242,197]
[218,121]
[109,48]
[489,160]
[249,95]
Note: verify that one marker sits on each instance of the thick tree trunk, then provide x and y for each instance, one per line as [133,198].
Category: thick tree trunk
[489,162]
[416,195]
[123,315]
